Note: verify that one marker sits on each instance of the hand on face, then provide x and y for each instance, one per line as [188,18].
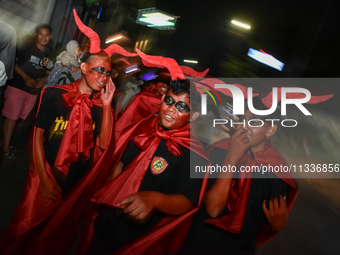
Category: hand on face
[239,144]
[107,93]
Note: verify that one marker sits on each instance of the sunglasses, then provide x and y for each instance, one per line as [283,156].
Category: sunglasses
[102,71]
[180,105]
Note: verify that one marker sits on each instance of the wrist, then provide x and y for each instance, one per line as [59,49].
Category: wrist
[156,198]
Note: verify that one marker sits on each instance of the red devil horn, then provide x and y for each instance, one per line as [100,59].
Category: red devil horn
[192,73]
[268,99]
[115,48]
[93,36]
[169,63]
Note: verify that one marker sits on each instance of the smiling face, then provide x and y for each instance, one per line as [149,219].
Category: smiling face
[93,80]
[170,117]
[43,36]
[161,88]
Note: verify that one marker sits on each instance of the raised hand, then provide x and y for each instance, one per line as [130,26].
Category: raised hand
[106,94]
[277,213]
[239,143]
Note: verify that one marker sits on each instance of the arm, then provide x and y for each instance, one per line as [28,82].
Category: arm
[28,80]
[276,215]
[49,187]
[41,81]
[118,169]
[106,99]
[142,203]
[217,196]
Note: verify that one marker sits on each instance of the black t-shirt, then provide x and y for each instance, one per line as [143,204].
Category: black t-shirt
[53,117]
[206,239]
[166,174]
[29,59]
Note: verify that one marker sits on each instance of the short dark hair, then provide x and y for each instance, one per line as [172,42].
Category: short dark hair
[91,57]
[43,25]
[179,87]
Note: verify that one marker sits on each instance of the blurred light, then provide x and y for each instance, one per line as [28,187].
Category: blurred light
[113,39]
[152,17]
[240,24]
[265,58]
[149,76]
[157,19]
[190,61]
[99,13]
[132,68]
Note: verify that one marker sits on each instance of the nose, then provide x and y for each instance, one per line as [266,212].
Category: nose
[103,76]
[172,108]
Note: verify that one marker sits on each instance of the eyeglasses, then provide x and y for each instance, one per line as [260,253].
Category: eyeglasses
[101,70]
[180,105]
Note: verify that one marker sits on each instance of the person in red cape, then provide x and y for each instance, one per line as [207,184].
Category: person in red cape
[242,210]
[73,129]
[151,196]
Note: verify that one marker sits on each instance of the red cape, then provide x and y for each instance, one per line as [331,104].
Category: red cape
[141,106]
[33,207]
[237,202]
[169,233]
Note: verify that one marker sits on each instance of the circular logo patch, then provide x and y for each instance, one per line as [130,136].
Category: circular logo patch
[158,165]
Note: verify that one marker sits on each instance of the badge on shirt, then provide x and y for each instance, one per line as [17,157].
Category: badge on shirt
[158,165]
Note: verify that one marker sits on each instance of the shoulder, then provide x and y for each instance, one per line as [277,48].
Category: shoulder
[52,92]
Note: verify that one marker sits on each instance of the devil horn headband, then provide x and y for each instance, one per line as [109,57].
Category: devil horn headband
[157,61]
[192,73]
[95,40]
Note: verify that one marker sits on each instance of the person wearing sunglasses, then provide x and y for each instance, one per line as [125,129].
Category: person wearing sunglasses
[151,178]
[143,105]
[72,129]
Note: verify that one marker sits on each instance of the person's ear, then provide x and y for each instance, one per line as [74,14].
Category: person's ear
[84,68]
[194,116]
[271,131]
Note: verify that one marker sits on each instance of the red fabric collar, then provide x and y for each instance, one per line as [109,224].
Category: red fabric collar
[78,137]
[147,137]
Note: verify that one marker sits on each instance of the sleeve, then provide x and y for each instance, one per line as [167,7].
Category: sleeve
[189,187]
[44,111]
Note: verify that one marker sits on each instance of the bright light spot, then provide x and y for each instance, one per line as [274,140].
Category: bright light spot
[113,39]
[157,19]
[190,61]
[240,24]
[266,59]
